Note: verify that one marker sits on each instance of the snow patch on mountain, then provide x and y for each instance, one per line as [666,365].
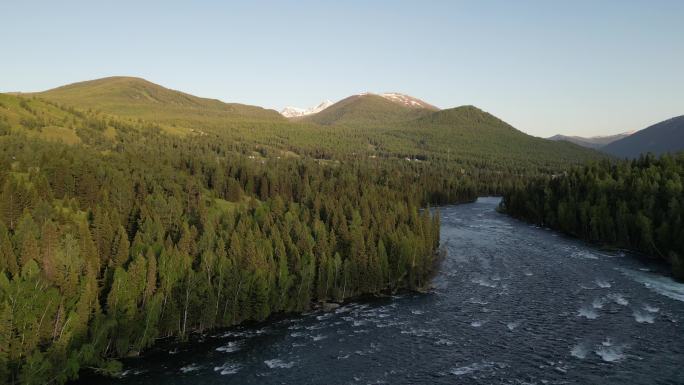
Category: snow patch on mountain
[403,99]
[406,100]
[295,112]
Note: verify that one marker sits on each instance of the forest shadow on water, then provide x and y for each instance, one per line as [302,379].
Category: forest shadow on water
[512,304]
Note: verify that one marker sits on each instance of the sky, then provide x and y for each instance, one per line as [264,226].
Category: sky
[573,67]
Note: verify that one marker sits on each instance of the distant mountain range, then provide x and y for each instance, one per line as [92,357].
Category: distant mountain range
[386,125]
[391,109]
[666,136]
[393,122]
[595,142]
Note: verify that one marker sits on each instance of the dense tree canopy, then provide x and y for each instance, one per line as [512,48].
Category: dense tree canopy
[105,247]
[115,231]
[635,204]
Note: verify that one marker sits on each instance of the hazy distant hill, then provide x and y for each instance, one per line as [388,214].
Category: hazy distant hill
[666,136]
[594,142]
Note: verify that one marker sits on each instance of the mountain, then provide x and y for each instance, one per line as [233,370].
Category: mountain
[468,132]
[295,112]
[400,126]
[666,136]
[594,142]
[371,110]
[139,98]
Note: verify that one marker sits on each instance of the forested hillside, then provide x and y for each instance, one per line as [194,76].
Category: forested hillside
[105,247]
[635,204]
[129,212]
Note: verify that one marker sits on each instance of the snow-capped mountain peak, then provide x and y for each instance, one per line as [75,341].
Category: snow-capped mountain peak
[291,112]
[295,112]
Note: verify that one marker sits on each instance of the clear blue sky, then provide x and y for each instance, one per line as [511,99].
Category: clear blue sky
[574,67]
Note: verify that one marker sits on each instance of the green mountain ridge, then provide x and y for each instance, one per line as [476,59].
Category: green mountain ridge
[136,97]
[366,125]
[463,115]
[466,133]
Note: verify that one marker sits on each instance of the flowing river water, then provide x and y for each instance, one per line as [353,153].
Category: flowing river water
[512,304]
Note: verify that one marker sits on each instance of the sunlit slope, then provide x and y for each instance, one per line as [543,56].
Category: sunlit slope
[37,118]
[470,133]
[139,98]
[366,110]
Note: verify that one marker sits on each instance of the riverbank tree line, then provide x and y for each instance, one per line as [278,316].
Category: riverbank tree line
[637,204]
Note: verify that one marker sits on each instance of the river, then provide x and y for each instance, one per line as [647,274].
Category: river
[512,304]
